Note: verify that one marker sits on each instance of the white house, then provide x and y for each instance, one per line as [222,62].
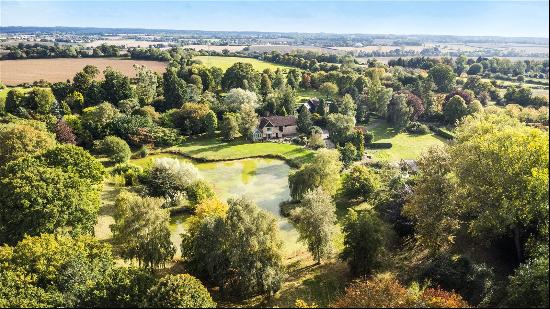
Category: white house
[275,127]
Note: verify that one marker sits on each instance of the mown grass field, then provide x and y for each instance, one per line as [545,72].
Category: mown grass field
[405,146]
[305,94]
[216,150]
[225,62]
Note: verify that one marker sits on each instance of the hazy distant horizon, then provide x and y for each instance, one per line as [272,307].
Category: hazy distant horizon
[521,19]
[281,32]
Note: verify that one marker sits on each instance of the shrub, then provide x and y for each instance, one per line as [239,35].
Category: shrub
[369,137]
[380,145]
[130,172]
[473,281]
[529,284]
[179,291]
[163,137]
[115,148]
[64,133]
[417,128]
[316,141]
[169,176]
[384,291]
[142,152]
[360,182]
[442,132]
[199,191]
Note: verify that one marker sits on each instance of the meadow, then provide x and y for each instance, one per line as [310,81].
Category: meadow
[15,72]
[225,62]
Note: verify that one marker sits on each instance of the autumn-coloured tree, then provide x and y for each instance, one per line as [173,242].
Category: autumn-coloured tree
[385,291]
[63,133]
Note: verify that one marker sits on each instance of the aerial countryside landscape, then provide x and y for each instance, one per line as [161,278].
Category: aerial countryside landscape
[274,154]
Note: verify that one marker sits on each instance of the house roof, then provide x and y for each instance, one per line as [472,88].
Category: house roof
[277,121]
[313,102]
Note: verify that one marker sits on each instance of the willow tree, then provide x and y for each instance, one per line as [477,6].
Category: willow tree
[315,221]
[141,230]
[323,171]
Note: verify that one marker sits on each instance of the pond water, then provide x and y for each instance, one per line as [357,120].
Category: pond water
[264,181]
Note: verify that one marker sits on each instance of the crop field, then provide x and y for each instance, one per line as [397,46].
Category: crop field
[225,62]
[15,72]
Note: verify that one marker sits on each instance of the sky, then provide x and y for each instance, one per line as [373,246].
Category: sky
[488,17]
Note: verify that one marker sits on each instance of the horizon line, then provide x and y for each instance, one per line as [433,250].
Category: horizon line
[281,32]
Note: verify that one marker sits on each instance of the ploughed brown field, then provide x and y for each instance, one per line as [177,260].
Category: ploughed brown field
[15,72]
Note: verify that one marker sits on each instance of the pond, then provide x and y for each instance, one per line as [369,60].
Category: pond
[264,181]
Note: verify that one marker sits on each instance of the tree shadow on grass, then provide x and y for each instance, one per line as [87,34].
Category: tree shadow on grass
[319,284]
[381,130]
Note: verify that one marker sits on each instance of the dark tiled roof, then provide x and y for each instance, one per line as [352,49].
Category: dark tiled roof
[313,102]
[277,121]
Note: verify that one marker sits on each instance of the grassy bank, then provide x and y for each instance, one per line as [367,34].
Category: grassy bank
[214,149]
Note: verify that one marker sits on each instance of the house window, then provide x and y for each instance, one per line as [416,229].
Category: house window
[268,130]
[281,128]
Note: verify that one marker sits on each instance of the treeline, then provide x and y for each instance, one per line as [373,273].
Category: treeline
[41,51]
[310,61]
[488,67]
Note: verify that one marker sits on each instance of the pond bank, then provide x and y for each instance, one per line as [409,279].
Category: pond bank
[262,180]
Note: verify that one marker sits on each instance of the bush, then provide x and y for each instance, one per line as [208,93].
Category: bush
[130,172]
[115,148]
[473,281]
[529,284]
[142,152]
[379,145]
[417,128]
[168,176]
[165,137]
[442,132]
[299,140]
[369,137]
[384,291]
[360,182]
[199,191]
[179,291]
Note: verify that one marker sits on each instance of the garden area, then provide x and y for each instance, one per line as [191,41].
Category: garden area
[404,146]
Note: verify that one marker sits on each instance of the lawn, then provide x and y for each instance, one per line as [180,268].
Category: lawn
[305,94]
[214,149]
[225,62]
[405,146]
